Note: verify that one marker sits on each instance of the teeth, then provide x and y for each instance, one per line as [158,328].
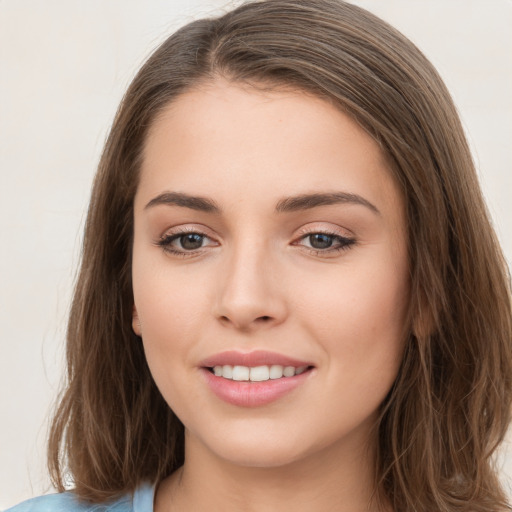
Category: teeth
[276,371]
[257,373]
[227,371]
[240,372]
[289,371]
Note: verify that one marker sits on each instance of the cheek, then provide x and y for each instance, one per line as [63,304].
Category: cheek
[358,316]
[167,300]
[171,309]
[172,316]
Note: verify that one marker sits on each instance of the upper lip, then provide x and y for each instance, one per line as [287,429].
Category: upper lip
[254,358]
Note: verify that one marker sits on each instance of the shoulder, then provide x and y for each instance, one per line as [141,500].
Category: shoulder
[140,501]
[68,502]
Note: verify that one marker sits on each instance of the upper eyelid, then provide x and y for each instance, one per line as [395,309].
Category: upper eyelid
[304,231]
[177,230]
[338,231]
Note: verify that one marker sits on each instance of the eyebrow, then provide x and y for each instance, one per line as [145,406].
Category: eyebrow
[202,204]
[308,201]
[286,205]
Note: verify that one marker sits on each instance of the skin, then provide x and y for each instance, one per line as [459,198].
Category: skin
[256,283]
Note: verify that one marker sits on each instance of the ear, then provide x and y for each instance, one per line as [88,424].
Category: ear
[422,327]
[136,322]
[424,323]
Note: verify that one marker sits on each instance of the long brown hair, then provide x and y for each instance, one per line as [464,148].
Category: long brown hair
[450,405]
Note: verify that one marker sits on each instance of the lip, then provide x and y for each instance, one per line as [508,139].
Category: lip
[252,394]
[254,358]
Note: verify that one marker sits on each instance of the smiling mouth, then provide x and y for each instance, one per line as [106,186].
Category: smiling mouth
[257,373]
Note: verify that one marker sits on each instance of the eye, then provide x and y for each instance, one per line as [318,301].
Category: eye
[323,243]
[190,241]
[184,242]
[320,240]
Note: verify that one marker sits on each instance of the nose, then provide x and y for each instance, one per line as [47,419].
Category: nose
[251,292]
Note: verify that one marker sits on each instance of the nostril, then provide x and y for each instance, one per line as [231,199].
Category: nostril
[245,323]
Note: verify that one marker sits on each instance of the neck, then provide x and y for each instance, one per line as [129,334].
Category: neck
[332,479]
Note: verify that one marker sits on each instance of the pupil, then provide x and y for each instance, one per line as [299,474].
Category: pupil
[320,241]
[191,241]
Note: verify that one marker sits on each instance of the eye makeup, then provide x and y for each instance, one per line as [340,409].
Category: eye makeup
[188,242]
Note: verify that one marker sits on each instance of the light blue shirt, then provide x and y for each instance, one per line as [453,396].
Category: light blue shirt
[141,501]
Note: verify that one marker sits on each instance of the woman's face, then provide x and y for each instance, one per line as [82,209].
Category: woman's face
[270,273]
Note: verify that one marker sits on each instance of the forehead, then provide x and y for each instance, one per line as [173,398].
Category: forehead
[223,139]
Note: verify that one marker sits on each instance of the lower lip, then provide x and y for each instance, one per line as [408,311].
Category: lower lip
[252,394]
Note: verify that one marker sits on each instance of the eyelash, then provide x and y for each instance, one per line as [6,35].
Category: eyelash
[344,243]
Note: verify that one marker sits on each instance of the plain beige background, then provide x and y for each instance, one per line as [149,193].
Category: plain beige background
[64,67]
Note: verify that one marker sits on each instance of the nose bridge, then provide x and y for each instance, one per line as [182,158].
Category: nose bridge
[249,291]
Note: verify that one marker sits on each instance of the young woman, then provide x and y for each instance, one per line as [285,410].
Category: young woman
[291,296]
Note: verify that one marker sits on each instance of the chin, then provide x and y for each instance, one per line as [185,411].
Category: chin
[269,457]
[266,450]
